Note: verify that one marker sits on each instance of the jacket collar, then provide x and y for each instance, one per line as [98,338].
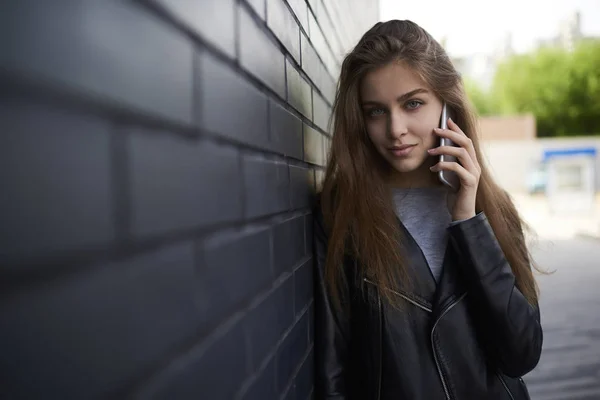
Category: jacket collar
[424,289]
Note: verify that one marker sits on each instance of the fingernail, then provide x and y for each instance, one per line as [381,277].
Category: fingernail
[431,150]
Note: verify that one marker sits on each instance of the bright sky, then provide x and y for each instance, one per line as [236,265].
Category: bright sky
[473,26]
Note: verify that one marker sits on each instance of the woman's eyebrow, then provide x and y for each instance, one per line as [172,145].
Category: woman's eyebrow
[400,98]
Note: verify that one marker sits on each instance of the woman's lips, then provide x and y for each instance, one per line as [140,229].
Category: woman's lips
[401,151]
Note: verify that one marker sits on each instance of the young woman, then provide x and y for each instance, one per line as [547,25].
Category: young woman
[423,292]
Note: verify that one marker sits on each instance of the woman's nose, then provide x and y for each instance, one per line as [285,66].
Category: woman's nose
[397,126]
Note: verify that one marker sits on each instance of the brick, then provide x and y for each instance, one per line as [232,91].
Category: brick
[321,112]
[214,20]
[312,185]
[56,180]
[311,64]
[281,21]
[347,28]
[266,186]
[259,54]
[327,85]
[85,336]
[213,370]
[314,4]
[286,132]
[229,105]
[313,146]
[329,31]
[326,149]
[299,91]
[107,49]
[291,353]
[308,230]
[288,244]
[263,388]
[266,323]
[305,380]
[301,12]
[259,7]
[303,286]
[320,43]
[302,184]
[316,71]
[181,183]
[319,178]
[235,266]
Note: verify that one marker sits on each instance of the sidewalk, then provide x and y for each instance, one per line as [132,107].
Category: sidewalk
[569,368]
[535,210]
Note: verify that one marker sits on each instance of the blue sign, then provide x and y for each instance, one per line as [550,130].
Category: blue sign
[584,151]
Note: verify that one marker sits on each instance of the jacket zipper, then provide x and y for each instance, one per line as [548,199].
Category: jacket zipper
[435,355]
[429,310]
[505,386]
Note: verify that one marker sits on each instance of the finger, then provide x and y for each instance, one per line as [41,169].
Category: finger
[453,126]
[467,179]
[460,153]
[470,147]
[459,137]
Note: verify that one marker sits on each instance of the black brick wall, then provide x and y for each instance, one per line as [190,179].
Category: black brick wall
[158,160]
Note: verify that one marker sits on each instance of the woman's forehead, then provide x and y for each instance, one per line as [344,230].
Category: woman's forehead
[391,81]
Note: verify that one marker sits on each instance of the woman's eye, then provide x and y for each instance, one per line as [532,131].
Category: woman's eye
[376,112]
[412,104]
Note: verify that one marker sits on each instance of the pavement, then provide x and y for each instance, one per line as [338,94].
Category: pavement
[567,243]
[569,368]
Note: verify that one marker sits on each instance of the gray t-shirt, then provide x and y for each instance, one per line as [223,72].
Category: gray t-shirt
[424,212]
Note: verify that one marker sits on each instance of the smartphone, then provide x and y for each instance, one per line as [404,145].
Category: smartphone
[448,178]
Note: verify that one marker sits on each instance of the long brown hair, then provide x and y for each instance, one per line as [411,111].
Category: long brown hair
[355,200]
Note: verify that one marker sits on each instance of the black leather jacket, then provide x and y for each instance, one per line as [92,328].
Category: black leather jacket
[472,336]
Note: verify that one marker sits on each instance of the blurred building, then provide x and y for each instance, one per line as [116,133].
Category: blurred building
[481,67]
[569,33]
[566,169]
[504,128]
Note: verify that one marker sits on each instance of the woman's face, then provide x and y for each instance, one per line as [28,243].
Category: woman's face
[400,113]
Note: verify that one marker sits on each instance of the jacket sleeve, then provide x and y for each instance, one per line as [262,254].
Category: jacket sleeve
[331,329]
[511,324]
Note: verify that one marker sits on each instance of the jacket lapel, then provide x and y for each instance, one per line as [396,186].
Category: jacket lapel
[424,288]
[422,285]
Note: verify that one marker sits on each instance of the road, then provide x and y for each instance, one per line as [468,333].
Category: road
[569,368]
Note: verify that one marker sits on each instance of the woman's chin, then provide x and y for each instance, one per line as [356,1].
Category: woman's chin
[407,165]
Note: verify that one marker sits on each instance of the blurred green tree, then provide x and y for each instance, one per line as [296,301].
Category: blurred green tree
[561,88]
[585,87]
